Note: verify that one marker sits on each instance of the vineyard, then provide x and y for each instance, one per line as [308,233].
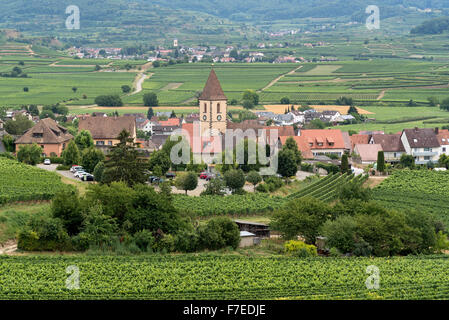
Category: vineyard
[253,203]
[419,181]
[326,188]
[419,190]
[209,276]
[21,182]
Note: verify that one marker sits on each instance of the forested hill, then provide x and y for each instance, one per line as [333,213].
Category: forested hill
[194,20]
[434,26]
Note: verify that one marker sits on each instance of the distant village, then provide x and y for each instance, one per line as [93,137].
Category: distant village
[215,54]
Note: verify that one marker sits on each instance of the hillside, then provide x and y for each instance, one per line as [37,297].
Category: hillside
[129,21]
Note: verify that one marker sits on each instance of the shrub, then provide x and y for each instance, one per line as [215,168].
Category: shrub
[43,233]
[218,233]
[300,249]
[66,206]
[144,239]
[186,241]
[302,218]
[109,101]
[340,233]
[62,167]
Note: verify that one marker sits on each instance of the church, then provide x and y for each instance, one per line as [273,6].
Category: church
[213,132]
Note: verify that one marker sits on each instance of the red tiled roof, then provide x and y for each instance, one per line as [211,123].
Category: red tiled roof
[359,139]
[443,137]
[170,122]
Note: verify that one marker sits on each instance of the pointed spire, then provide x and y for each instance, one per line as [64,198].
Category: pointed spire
[212,90]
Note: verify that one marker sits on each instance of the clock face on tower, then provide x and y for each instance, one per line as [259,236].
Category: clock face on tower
[219,118]
[204,117]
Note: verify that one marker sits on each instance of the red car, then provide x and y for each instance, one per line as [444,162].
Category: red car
[204,175]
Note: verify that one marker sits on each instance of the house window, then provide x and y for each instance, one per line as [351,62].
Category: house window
[110,143]
[205,108]
[395,155]
[444,149]
[426,158]
[63,146]
[218,108]
[100,143]
[427,149]
[38,135]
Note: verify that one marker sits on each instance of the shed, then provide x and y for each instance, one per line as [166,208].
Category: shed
[247,239]
[259,229]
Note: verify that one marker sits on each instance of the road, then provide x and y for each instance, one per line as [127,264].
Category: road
[52,167]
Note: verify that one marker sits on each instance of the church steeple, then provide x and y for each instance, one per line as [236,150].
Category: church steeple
[213,105]
[212,90]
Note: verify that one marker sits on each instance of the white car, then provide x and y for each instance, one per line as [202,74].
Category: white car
[79,174]
[47,162]
[75,168]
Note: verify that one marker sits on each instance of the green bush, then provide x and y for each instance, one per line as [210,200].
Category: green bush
[62,167]
[144,239]
[186,241]
[218,233]
[43,233]
[340,233]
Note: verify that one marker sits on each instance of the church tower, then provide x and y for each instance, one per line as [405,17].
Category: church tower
[213,105]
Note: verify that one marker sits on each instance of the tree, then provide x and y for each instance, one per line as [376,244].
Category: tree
[234,179]
[254,178]
[161,160]
[301,218]
[98,171]
[150,99]
[214,187]
[33,109]
[445,104]
[380,162]
[251,95]
[29,154]
[344,163]
[47,114]
[150,113]
[287,165]
[109,101]
[126,89]
[67,207]
[248,104]
[26,89]
[74,89]
[316,124]
[290,144]
[125,162]
[220,232]
[84,140]
[71,154]
[443,161]
[187,181]
[285,100]
[90,158]
[173,114]
[19,125]
[407,161]
[8,142]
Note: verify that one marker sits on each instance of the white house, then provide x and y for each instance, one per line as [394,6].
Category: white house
[443,139]
[422,144]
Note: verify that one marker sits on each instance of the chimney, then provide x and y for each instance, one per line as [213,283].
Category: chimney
[437,130]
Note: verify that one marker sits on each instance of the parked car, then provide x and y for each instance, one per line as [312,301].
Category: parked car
[170,175]
[154,179]
[87,177]
[74,167]
[47,162]
[210,176]
[203,175]
[80,173]
[77,169]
